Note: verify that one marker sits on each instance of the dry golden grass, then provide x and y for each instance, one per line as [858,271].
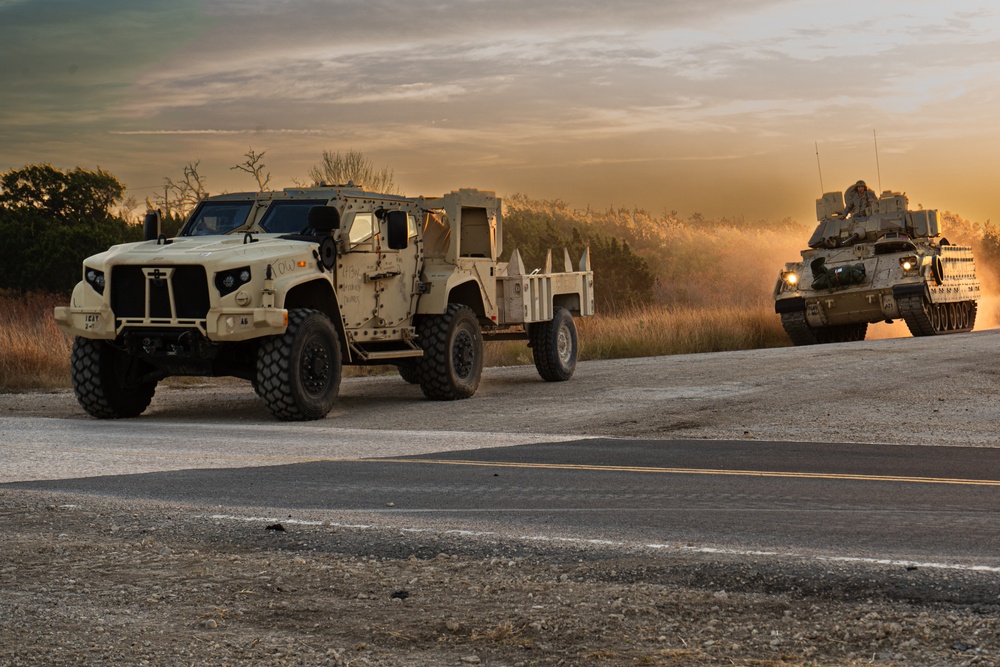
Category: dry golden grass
[34,354]
[656,331]
[680,330]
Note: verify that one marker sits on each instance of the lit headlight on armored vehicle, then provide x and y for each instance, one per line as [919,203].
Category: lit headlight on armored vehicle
[909,263]
[95,279]
[791,278]
[229,281]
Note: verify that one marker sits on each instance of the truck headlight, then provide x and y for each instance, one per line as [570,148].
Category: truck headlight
[95,279]
[790,277]
[909,263]
[229,281]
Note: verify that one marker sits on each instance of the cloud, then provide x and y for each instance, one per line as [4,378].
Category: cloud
[512,85]
[255,131]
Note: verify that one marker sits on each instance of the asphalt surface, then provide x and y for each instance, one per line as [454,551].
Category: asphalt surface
[926,504]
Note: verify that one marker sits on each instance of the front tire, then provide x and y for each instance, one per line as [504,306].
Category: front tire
[409,372]
[452,364]
[104,380]
[298,372]
[554,346]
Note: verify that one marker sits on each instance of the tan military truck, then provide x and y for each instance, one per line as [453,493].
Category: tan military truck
[282,288]
[884,264]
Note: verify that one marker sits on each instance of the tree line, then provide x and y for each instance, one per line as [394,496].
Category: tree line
[51,220]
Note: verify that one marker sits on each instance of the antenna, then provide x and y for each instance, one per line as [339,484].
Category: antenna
[818,166]
[878,169]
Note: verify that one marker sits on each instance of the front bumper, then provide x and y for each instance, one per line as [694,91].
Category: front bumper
[219,324]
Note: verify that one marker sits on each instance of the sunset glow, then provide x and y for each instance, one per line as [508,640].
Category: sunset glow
[713,107]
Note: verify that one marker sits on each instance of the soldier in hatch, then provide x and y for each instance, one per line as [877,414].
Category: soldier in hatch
[860,200]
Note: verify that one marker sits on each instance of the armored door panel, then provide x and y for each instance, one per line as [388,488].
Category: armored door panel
[396,279]
[354,267]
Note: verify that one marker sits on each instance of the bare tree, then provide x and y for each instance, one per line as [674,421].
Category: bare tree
[127,207]
[180,197]
[338,168]
[254,165]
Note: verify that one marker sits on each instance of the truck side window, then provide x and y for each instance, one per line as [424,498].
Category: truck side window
[361,228]
[288,217]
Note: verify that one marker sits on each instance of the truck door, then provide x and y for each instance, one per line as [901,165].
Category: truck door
[354,267]
[397,275]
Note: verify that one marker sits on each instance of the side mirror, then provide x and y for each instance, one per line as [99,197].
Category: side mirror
[151,225]
[323,219]
[397,229]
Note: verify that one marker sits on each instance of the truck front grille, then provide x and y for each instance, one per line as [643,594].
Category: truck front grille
[182,295]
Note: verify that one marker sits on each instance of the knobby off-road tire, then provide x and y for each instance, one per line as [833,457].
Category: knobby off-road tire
[409,372]
[802,333]
[298,373]
[101,380]
[452,364]
[935,319]
[554,346]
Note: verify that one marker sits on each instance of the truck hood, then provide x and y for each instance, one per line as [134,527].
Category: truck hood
[228,250]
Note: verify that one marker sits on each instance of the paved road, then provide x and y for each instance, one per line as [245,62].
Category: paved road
[689,422]
[920,503]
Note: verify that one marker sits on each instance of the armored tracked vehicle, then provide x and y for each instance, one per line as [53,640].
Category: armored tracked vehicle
[883,264]
[282,288]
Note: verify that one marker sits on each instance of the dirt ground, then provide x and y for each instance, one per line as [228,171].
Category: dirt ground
[86,580]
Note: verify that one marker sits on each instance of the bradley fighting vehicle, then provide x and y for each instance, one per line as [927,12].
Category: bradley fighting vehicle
[282,288]
[887,263]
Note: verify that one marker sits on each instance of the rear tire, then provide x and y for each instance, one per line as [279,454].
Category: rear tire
[554,346]
[102,380]
[452,364]
[298,372]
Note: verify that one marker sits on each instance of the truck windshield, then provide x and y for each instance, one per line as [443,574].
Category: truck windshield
[217,217]
[288,217]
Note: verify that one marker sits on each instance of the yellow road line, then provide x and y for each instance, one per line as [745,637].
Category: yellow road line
[697,471]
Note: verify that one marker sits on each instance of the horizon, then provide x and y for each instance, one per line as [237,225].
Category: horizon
[712,108]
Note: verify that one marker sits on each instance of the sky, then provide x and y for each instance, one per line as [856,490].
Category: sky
[741,109]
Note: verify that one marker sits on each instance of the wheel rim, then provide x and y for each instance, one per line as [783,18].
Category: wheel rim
[564,345]
[315,367]
[463,354]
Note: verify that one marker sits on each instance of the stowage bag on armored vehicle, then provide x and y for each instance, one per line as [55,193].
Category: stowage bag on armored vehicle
[842,276]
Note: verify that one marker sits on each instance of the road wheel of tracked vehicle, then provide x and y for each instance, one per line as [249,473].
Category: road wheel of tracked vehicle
[554,346]
[298,372]
[969,310]
[452,364]
[934,319]
[105,380]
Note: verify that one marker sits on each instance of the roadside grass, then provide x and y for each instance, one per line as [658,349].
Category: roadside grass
[664,330]
[34,353]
